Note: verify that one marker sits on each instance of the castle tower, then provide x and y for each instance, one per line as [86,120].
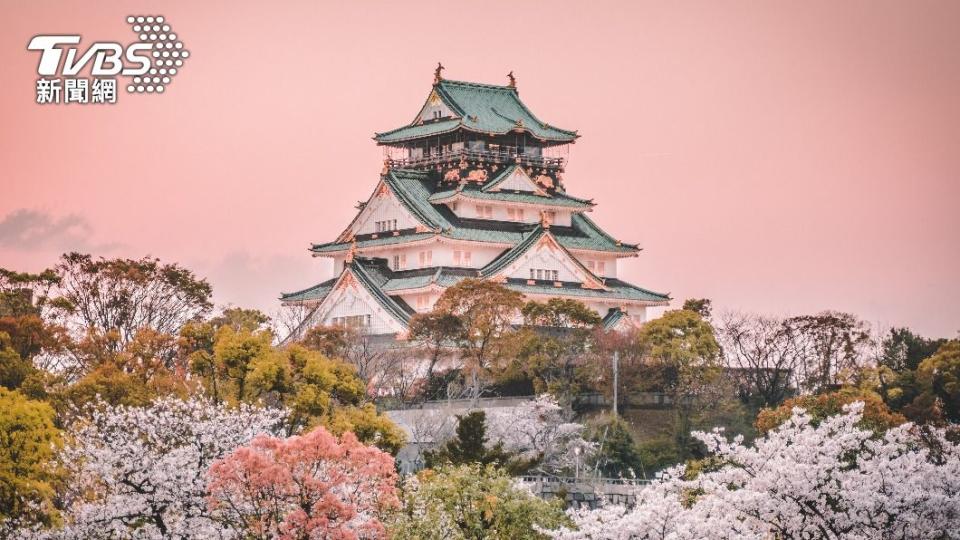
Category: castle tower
[472,187]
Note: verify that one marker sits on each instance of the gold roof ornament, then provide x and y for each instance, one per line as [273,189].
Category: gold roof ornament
[437,77]
[513,80]
[544,219]
[352,252]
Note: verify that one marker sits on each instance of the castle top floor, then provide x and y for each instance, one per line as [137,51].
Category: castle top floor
[465,121]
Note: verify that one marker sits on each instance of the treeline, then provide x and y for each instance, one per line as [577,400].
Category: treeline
[131,407]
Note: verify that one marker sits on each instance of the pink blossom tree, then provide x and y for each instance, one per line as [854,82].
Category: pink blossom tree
[308,486]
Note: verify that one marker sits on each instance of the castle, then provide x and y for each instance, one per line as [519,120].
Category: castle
[473,187]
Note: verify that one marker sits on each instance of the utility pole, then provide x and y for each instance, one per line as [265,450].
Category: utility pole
[616,375]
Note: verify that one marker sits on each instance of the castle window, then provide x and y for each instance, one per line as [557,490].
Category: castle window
[352,321]
[426,257]
[485,211]
[544,274]
[386,225]
[436,115]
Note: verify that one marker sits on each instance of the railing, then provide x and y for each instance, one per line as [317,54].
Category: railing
[585,480]
[503,156]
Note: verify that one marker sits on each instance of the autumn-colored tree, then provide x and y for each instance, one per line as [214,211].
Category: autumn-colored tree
[136,374]
[331,341]
[486,311]
[436,333]
[877,417]
[28,474]
[472,502]
[309,486]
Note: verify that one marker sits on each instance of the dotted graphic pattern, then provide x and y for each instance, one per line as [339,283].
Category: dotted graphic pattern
[167,54]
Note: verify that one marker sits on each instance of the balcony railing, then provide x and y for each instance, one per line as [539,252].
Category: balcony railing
[501,156]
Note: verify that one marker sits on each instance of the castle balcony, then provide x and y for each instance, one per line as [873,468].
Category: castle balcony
[502,155]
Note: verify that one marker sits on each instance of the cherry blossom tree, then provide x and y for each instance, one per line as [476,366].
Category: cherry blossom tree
[309,486]
[833,480]
[538,430]
[140,472]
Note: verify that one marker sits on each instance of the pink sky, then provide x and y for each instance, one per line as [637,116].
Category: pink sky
[773,157]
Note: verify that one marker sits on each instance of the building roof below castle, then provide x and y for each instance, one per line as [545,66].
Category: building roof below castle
[482,108]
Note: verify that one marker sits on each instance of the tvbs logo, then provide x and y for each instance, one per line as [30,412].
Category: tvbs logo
[150,64]
[108,57]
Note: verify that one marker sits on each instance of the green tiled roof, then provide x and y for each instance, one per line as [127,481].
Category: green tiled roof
[373,275]
[483,108]
[318,291]
[498,179]
[616,290]
[413,189]
[377,277]
[524,198]
[614,316]
[416,131]
[513,253]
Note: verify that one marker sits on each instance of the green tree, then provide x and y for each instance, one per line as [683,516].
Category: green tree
[700,306]
[234,352]
[617,454]
[315,389]
[469,445]
[471,502]
[938,384]
[28,444]
[550,347]
[903,350]
[14,370]
[682,349]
